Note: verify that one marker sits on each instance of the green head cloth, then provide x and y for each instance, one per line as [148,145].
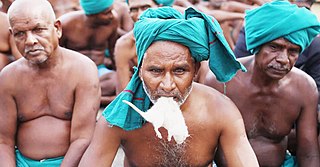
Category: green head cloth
[161,2]
[280,19]
[95,6]
[199,32]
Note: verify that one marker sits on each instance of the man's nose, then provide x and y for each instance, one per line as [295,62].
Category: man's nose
[283,57]
[140,11]
[167,84]
[30,38]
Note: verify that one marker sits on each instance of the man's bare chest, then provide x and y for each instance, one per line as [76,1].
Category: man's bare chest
[144,148]
[40,99]
[88,40]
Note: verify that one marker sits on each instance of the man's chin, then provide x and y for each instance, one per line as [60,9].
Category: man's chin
[37,61]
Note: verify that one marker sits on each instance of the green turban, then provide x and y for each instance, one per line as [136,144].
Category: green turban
[161,2]
[280,19]
[95,6]
[199,32]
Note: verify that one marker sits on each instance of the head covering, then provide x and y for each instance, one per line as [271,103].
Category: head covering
[161,2]
[95,6]
[280,19]
[199,32]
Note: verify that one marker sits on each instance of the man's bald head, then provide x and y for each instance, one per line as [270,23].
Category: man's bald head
[38,8]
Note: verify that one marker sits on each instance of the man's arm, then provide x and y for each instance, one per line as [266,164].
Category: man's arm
[233,140]
[86,105]
[104,145]
[8,122]
[123,55]
[307,144]
[112,42]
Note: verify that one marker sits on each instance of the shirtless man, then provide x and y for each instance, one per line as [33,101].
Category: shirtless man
[48,105]
[274,95]
[125,21]
[61,7]
[167,69]
[125,49]
[8,50]
[93,32]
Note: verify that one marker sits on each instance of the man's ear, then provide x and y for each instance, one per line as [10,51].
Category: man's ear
[58,27]
[10,31]
[197,68]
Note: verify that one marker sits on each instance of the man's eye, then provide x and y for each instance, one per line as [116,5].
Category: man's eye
[143,8]
[294,52]
[133,10]
[156,70]
[38,30]
[273,47]
[179,71]
[19,34]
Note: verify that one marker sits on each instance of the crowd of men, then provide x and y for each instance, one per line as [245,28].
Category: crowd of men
[241,79]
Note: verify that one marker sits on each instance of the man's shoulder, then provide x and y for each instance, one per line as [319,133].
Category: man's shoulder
[208,94]
[214,102]
[300,77]
[71,17]
[13,71]
[76,58]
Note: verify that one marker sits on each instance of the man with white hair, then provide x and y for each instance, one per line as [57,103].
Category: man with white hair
[48,106]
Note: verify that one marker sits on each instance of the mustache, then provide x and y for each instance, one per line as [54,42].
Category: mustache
[279,67]
[32,48]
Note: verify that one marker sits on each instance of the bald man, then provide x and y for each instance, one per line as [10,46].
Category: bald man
[48,106]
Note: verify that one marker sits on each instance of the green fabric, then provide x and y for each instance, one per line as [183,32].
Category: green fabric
[280,19]
[165,2]
[161,2]
[199,32]
[289,161]
[22,161]
[95,6]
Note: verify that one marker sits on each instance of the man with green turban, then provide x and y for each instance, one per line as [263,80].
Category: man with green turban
[185,121]
[274,96]
[93,32]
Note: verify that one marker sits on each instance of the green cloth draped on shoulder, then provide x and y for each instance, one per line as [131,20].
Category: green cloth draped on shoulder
[199,32]
[280,19]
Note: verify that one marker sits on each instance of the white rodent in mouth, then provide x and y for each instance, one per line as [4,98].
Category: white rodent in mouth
[165,113]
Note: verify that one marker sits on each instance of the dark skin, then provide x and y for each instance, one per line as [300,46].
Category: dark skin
[168,69]
[272,96]
[125,49]
[7,45]
[98,32]
[49,106]
[61,7]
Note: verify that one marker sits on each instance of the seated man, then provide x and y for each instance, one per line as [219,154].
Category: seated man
[168,59]
[61,7]
[8,50]
[273,95]
[93,32]
[48,106]
[125,48]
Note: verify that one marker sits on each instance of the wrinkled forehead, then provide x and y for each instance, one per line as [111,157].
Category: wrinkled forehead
[140,3]
[167,50]
[284,41]
[32,9]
